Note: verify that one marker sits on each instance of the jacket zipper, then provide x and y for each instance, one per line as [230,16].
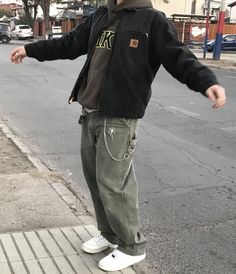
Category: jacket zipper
[88,60]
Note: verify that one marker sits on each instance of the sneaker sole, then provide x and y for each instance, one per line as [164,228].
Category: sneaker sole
[110,269]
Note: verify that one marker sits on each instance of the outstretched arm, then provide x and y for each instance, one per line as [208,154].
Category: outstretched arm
[69,46]
[181,63]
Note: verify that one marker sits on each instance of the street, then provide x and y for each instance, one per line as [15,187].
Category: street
[185,159]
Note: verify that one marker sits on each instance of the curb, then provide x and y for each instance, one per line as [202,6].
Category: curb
[23,148]
[222,65]
[61,187]
[226,63]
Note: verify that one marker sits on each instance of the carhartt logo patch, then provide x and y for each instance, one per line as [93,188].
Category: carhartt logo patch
[133,43]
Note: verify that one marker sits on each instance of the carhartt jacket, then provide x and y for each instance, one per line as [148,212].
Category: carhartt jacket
[143,41]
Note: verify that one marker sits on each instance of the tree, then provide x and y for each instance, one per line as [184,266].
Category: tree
[45,5]
[30,7]
[5,11]
[35,8]
[27,15]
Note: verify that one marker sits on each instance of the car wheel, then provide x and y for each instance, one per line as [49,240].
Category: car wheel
[5,40]
[209,49]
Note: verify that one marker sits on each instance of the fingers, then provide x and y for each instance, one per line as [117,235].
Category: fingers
[16,58]
[17,55]
[211,96]
[219,103]
[216,94]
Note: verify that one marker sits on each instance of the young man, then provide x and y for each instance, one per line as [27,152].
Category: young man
[125,42]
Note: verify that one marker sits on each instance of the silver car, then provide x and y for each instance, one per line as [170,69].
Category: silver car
[22,32]
[5,34]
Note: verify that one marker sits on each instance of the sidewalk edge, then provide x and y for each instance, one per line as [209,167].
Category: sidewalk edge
[70,200]
[23,148]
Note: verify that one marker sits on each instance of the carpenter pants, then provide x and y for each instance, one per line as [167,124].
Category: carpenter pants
[107,146]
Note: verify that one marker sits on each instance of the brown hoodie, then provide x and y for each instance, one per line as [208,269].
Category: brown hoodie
[89,93]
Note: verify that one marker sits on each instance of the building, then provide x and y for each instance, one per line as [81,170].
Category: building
[16,9]
[173,6]
[189,6]
[232,7]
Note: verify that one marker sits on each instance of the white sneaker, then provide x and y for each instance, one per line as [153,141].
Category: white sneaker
[118,260]
[97,244]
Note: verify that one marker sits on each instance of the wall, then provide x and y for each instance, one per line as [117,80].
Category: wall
[233,14]
[174,6]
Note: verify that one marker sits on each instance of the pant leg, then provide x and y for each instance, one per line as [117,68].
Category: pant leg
[88,157]
[117,182]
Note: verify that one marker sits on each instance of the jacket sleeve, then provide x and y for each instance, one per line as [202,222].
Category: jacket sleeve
[69,46]
[177,58]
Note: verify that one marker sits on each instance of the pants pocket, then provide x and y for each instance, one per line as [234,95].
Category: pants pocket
[120,137]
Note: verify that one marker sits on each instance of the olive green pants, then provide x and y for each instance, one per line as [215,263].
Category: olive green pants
[107,147]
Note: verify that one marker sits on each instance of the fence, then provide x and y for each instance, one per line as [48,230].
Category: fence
[190,32]
[66,26]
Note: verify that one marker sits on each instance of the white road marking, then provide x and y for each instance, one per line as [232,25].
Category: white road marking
[175,109]
[182,111]
[229,129]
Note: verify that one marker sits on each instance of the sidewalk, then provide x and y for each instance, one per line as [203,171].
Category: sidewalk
[227,60]
[43,224]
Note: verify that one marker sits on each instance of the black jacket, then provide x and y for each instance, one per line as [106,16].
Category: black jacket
[144,40]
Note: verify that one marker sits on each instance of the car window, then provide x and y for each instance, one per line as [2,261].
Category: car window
[3,27]
[229,38]
[24,27]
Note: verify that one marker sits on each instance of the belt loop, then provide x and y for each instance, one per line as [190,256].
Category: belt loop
[84,112]
[83,116]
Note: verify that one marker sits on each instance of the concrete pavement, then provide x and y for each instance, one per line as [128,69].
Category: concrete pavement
[43,224]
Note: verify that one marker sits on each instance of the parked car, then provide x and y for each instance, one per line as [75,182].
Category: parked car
[5,33]
[56,32]
[228,43]
[22,32]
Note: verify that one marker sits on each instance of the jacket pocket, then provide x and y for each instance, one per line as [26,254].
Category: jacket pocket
[134,51]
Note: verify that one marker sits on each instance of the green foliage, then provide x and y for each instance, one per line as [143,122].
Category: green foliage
[24,20]
[6,12]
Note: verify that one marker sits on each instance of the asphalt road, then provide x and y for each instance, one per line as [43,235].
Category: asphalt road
[185,159]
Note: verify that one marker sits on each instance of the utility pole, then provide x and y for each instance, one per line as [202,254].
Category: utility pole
[208,2]
[220,28]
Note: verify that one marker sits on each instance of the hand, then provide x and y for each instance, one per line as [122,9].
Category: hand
[18,54]
[216,93]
